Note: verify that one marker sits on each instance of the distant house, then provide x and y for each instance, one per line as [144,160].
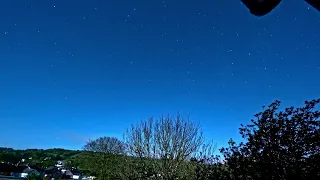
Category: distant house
[59,164]
[57,173]
[28,171]
[76,174]
[22,171]
[16,171]
[69,174]
[88,177]
[7,169]
[36,167]
[50,171]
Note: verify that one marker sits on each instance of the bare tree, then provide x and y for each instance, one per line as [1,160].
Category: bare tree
[164,144]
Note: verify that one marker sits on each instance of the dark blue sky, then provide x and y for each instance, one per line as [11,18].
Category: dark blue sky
[74,70]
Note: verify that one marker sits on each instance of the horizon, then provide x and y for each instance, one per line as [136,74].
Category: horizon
[71,72]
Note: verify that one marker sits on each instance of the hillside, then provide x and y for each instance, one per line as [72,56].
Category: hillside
[35,155]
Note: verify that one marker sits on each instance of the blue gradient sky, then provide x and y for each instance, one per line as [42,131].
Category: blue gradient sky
[74,70]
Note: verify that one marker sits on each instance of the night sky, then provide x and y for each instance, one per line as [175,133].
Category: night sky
[73,70]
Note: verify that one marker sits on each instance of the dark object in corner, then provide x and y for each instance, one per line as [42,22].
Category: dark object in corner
[314,3]
[261,7]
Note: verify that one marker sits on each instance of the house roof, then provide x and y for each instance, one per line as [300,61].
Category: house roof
[57,175]
[36,167]
[28,170]
[4,167]
[50,170]
[76,172]
[22,168]
[68,173]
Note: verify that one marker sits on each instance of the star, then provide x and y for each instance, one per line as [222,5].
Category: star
[109,50]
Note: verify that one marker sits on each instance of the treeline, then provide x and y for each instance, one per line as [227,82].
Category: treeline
[276,145]
[47,157]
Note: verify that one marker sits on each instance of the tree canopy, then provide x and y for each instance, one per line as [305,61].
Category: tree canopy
[277,144]
[105,145]
[164,145]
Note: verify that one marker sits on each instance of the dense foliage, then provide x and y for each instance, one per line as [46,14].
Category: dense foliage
[109,145]
[277,145]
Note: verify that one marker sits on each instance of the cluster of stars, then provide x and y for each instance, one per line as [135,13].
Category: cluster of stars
[179,42]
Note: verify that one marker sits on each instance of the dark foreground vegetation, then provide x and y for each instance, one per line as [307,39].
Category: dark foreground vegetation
[277,145]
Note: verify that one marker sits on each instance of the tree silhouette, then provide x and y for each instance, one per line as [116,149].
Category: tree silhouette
[279,145]
[109,145]
[100,156]
[163,145]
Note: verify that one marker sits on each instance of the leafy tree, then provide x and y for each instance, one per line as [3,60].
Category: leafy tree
[6,150]
[103,156]
[9,157]
[48,163]
[110,145]
[207,165]
[279,145]
[163,146]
